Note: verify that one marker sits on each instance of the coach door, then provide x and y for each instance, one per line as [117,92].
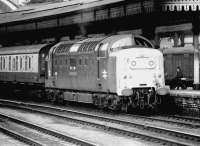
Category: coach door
[102,73]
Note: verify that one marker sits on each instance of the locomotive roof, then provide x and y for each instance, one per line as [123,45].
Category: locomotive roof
[179,50]
[28,49]
[85,45]
[89,44]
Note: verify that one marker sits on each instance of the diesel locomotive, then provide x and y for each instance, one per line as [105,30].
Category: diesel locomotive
[115,72]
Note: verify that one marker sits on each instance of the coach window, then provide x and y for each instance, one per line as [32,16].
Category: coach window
[4,63]
[9,63]
[26,61]
[0,64]
[29,63]
[16,63]
[20,62]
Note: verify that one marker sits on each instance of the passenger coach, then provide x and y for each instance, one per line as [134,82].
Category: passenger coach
[23,67]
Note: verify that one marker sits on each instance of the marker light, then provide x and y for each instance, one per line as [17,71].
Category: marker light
[133,63]
[151,63]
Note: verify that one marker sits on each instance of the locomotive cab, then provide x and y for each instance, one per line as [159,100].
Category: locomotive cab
[140,76]
[132,69]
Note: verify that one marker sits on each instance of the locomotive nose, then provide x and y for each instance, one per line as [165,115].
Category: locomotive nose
[138,69]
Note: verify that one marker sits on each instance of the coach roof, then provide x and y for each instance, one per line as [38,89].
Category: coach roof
[28,49]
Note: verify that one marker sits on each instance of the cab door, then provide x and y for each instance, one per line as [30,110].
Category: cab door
[102,70]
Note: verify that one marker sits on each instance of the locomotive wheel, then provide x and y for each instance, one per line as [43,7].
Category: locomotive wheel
[60,98]
[51,97]
[159,100]
[125,108]
[53,100]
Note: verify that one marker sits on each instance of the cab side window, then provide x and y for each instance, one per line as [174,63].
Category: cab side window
[72,62]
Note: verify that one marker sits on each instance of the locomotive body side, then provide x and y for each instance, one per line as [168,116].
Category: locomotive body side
[73,69]
[86,68]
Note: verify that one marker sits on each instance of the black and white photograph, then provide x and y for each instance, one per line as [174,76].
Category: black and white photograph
[100,72]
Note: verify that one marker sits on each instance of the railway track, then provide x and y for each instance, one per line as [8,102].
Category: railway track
[41,136]
[19,137]
[185,118]
[174,120]
[132,129]
[185,121]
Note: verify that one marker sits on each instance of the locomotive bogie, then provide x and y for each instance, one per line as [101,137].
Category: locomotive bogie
[78,97]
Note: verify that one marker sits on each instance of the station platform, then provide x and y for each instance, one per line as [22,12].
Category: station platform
[187,101]
[185,93]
